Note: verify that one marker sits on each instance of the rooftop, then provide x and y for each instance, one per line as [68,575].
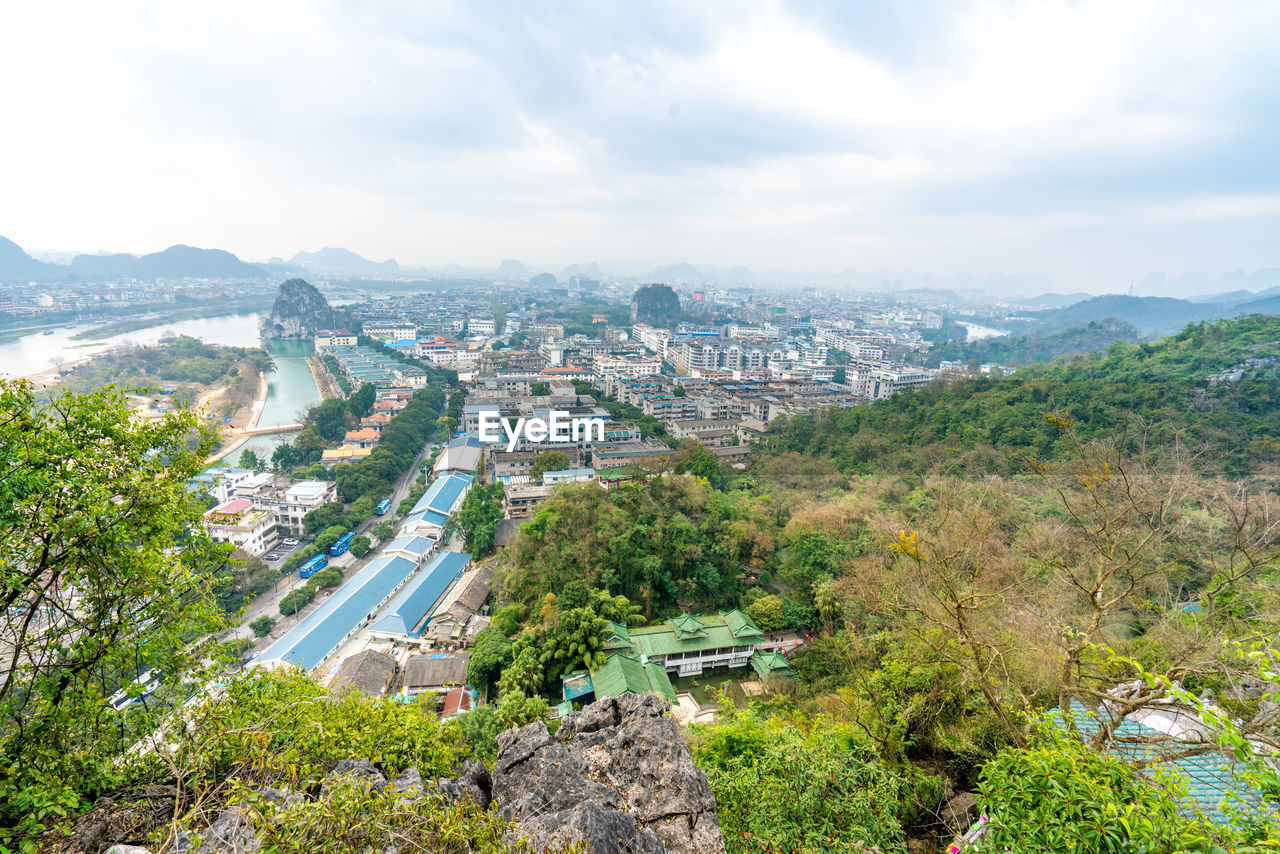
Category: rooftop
[314,639]
[407,615]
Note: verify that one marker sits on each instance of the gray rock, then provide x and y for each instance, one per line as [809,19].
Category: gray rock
[472,782]
[359,769]
[960,812]
[618,776]
[127,849]
[407,782]
[231,832]
[605,831]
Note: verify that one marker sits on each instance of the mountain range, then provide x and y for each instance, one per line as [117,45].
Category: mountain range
[338,260]
[1150,315]
[173,263]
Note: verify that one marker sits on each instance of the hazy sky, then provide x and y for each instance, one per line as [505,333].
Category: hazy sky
[1092,141]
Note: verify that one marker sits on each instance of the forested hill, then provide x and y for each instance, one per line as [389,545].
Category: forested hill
[1172,386]
[1027,349]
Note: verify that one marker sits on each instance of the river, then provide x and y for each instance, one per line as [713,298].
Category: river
[291,387]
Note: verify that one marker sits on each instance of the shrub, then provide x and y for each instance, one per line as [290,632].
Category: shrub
[262,626]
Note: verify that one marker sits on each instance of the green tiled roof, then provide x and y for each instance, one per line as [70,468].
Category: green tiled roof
[623,674]
[617,473]
[619,637]
[765,663]
[732,628]
[687,626]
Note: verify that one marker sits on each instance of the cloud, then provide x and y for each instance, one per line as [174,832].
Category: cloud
[980,135]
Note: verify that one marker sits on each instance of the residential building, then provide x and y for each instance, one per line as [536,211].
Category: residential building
[434,674]
[441,500]
[249,527]
[462,602]
[406,618]
[300,499]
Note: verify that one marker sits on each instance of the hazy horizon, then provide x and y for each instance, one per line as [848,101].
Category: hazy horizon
[1086,143]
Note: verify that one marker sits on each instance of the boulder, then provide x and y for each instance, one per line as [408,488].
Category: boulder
[618,776]
[359,769]
[960,812]
[472,782]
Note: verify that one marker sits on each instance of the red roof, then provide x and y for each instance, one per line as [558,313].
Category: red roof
[456,701]
[235,505]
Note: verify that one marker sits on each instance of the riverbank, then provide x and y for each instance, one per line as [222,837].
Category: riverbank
[243,306]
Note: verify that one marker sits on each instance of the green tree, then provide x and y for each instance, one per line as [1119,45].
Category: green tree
[539,389]
[446,424]
[767,612]
[490,653]
[326,578]
[329,536]
[1061,795]
[679,391]
[295,600]
[576,641]
[361,402]
[360,546]
[262,626]
[516,709]
[384,530]
[523,674]
[92,505]
[284,457]
[840,375]
[479,515]
[249,460]
[547,461]
[324,516]
[692,458]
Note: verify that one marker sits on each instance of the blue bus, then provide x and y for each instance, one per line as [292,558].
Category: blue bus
[341,545]
[383,506]
[313,566]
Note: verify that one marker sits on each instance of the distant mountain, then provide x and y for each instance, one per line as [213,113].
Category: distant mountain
[543,280]
[16,265]
[338,260]
[1151,315]
[1054,300]
[513,269]
[176,262]
[586,271]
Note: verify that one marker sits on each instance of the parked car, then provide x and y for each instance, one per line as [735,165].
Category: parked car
[291,542]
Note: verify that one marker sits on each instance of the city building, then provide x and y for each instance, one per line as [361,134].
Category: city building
[249,527]
[300,499]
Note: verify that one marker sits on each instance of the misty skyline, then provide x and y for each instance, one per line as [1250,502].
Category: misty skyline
[1091,143]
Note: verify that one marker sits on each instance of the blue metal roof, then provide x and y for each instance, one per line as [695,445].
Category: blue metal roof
[312,641]
[410,544]
[444,493]
[407,614]
[1212,779]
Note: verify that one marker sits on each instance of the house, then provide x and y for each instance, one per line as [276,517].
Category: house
[300,499]
[463,600]
[369,671]
[411,546]
[311,642]
[621,674]
[432,511]
[519,500]
[767,663]
[686,645]
[335,338]
[365,437]
[461,455]
[435,673]
[248,526]
[551,478]
[459,701]
[441,500]
[344,455]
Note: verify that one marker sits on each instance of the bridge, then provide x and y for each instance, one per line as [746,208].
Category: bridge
[262,431]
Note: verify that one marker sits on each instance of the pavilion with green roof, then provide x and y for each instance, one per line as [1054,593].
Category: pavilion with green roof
[770,663]
[621,674]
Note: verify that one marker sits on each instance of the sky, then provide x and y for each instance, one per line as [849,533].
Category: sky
[1091,142]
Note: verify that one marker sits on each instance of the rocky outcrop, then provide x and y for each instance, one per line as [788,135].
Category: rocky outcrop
[617,775]
[299,312]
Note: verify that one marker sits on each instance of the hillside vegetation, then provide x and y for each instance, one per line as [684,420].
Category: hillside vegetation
[1163,394]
